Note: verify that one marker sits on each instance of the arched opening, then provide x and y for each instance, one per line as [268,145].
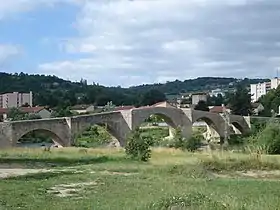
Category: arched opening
[97,135]
[39,138]
[237,133]
[236,128]
[159,127]
[207,130]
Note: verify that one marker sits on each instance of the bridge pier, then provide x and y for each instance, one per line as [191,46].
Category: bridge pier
[120,124]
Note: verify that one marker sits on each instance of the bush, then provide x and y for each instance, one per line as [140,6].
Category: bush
[191,144]
[94,136]
[236,140]
[194,143]
[139,146]
[267,140]
[195,200]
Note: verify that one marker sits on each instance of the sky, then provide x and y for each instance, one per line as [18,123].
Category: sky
[132,42]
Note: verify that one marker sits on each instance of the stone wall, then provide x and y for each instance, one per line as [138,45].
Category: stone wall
[119,124]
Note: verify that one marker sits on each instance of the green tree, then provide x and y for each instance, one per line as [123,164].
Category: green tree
[270,101]
[62,112]
[109,106]
[151,97]
[139,146]
[202,106]
[15,114]
[240,101]
[216,100]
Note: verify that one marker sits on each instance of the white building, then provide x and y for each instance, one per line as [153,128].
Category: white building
[260,89]
[216,92]
[196,97]
[275,83]
[15,99]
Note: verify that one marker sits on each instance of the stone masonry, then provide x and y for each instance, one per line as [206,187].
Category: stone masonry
[119,124]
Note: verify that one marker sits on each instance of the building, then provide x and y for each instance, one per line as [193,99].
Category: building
[258,90]
[82,108]
[15,99]
[257,108]
[38,110]
[196,97]
[275,82]
[217,92]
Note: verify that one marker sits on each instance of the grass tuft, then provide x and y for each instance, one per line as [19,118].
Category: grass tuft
[193,201]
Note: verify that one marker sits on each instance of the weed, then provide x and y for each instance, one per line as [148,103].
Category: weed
[188,201]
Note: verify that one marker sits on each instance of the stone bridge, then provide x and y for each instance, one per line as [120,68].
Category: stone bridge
[119,124]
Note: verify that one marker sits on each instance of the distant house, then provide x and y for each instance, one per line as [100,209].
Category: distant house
[196,97]
[82,108]
[257,108]
[43,112]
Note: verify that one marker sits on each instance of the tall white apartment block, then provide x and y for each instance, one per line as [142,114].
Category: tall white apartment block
[275,83]
[15,99]
[260,89]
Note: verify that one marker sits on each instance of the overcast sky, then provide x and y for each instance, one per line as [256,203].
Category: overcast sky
[123,42]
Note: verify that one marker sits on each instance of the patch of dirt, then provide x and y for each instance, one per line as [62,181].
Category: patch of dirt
[13,172]
[71,190]
[114,173]
[257,174]
[8,171]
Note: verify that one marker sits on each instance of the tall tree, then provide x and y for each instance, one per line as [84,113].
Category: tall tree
[151,97]
[240,101]
[202,106]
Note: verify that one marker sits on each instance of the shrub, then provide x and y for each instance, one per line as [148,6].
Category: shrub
[267,140]
[236,140]
[139,146]
[191,144]
[178,141]
[195,200]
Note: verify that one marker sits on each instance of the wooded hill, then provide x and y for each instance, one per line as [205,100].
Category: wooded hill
[54,91]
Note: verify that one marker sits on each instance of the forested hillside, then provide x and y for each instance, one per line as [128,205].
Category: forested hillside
[53,91]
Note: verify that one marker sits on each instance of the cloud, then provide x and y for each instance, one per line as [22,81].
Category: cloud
[13,7]
[7,52]
[123,42]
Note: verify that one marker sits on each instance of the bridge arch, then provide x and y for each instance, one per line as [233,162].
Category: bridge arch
[113,123]
[56,138]
[241,127]
[174,117]
[213,127]
[240,124]
[215,123]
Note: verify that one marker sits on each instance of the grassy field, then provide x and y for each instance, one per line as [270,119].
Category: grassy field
[105,179]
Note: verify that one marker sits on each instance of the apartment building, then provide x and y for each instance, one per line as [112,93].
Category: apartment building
[260,89]
[15,99]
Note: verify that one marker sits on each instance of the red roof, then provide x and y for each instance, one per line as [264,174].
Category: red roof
[217,109]
[24,109]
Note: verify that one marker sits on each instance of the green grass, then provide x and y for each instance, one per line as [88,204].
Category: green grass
[172,179]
